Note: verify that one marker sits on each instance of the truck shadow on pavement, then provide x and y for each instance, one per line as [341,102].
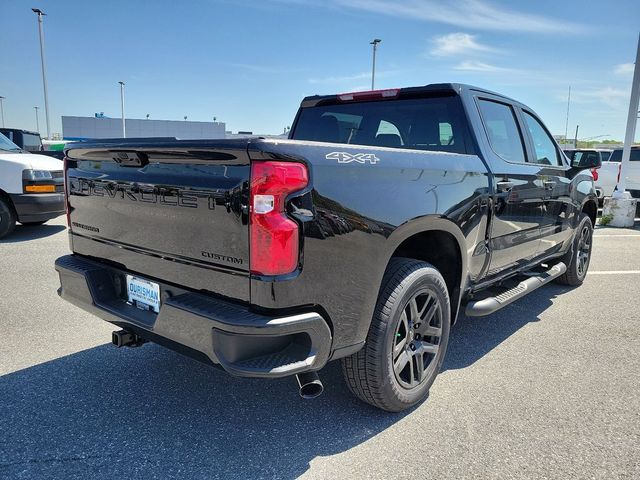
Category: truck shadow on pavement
[149,412]
[24,233]
[472,338]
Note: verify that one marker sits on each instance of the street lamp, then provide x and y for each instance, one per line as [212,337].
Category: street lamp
[37,121]
[41,14]
[124,128]
[2,110]
[375,43]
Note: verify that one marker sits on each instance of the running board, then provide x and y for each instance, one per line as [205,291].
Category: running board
[486,306]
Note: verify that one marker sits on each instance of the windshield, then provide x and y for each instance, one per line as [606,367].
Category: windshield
[7,145]
[424,123]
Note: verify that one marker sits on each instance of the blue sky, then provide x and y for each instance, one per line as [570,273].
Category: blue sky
[249,63]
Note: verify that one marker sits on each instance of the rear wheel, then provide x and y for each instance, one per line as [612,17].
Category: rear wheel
[578,258]
[407,339]
[7,218]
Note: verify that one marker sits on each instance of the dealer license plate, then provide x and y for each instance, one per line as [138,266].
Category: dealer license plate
[143,293]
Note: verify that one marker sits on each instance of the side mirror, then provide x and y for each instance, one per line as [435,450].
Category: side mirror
[586,161]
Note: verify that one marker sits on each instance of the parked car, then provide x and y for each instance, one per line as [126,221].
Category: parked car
[32,142]
[605,179]
[31,187]
[362,237]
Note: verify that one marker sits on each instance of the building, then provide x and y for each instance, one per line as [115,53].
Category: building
[79,128]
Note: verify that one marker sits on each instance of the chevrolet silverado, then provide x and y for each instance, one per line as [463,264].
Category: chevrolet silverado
[384,217]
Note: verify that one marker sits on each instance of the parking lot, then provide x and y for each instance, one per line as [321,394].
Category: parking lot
[548,387]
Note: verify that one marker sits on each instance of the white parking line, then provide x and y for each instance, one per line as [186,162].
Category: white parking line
[595,235]
[615,272]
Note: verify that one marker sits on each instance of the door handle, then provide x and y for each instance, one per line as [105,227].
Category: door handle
[548,184]
[504,186]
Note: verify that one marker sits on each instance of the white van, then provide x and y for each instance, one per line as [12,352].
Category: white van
[31,187]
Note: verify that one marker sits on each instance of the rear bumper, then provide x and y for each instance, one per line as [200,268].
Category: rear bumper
[38,207]
[244,343]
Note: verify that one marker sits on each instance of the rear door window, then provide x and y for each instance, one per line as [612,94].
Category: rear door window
[502,129]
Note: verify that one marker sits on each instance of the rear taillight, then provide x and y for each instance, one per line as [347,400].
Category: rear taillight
[66,193]
[594,172]
[274,237]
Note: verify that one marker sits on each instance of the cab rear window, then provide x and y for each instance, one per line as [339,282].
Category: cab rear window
[436,123]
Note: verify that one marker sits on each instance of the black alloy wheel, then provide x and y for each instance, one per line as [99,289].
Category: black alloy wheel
[417,339]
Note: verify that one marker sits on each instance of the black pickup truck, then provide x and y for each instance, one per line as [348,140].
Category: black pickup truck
[385,216]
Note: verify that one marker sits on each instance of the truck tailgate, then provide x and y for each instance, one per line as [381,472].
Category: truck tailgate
[176,211]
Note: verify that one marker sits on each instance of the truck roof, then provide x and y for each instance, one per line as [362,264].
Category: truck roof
[453,88]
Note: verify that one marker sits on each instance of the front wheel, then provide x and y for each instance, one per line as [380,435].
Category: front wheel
[7,218]
[407,339]
[578,258]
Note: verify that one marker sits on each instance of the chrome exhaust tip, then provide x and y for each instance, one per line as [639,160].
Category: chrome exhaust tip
[309,384]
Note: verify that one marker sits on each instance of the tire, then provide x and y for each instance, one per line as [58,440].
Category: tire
[410,325]
[577,259]
[33,224]
[7,218]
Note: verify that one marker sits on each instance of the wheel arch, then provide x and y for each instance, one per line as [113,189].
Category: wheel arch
[440,242]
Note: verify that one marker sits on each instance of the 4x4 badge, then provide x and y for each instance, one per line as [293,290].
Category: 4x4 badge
[344,157]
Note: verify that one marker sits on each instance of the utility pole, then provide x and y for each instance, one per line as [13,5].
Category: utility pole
[575,139]
[41,14]
[2,110]
[37,121]
[375,43]
[124,128]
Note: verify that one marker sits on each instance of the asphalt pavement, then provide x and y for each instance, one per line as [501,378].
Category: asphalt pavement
[549,387]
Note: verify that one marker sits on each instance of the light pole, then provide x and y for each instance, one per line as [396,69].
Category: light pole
[632,120]
[375,43]
[2,110]
[124,128]
[621,206]
[37,121]
[40,14]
